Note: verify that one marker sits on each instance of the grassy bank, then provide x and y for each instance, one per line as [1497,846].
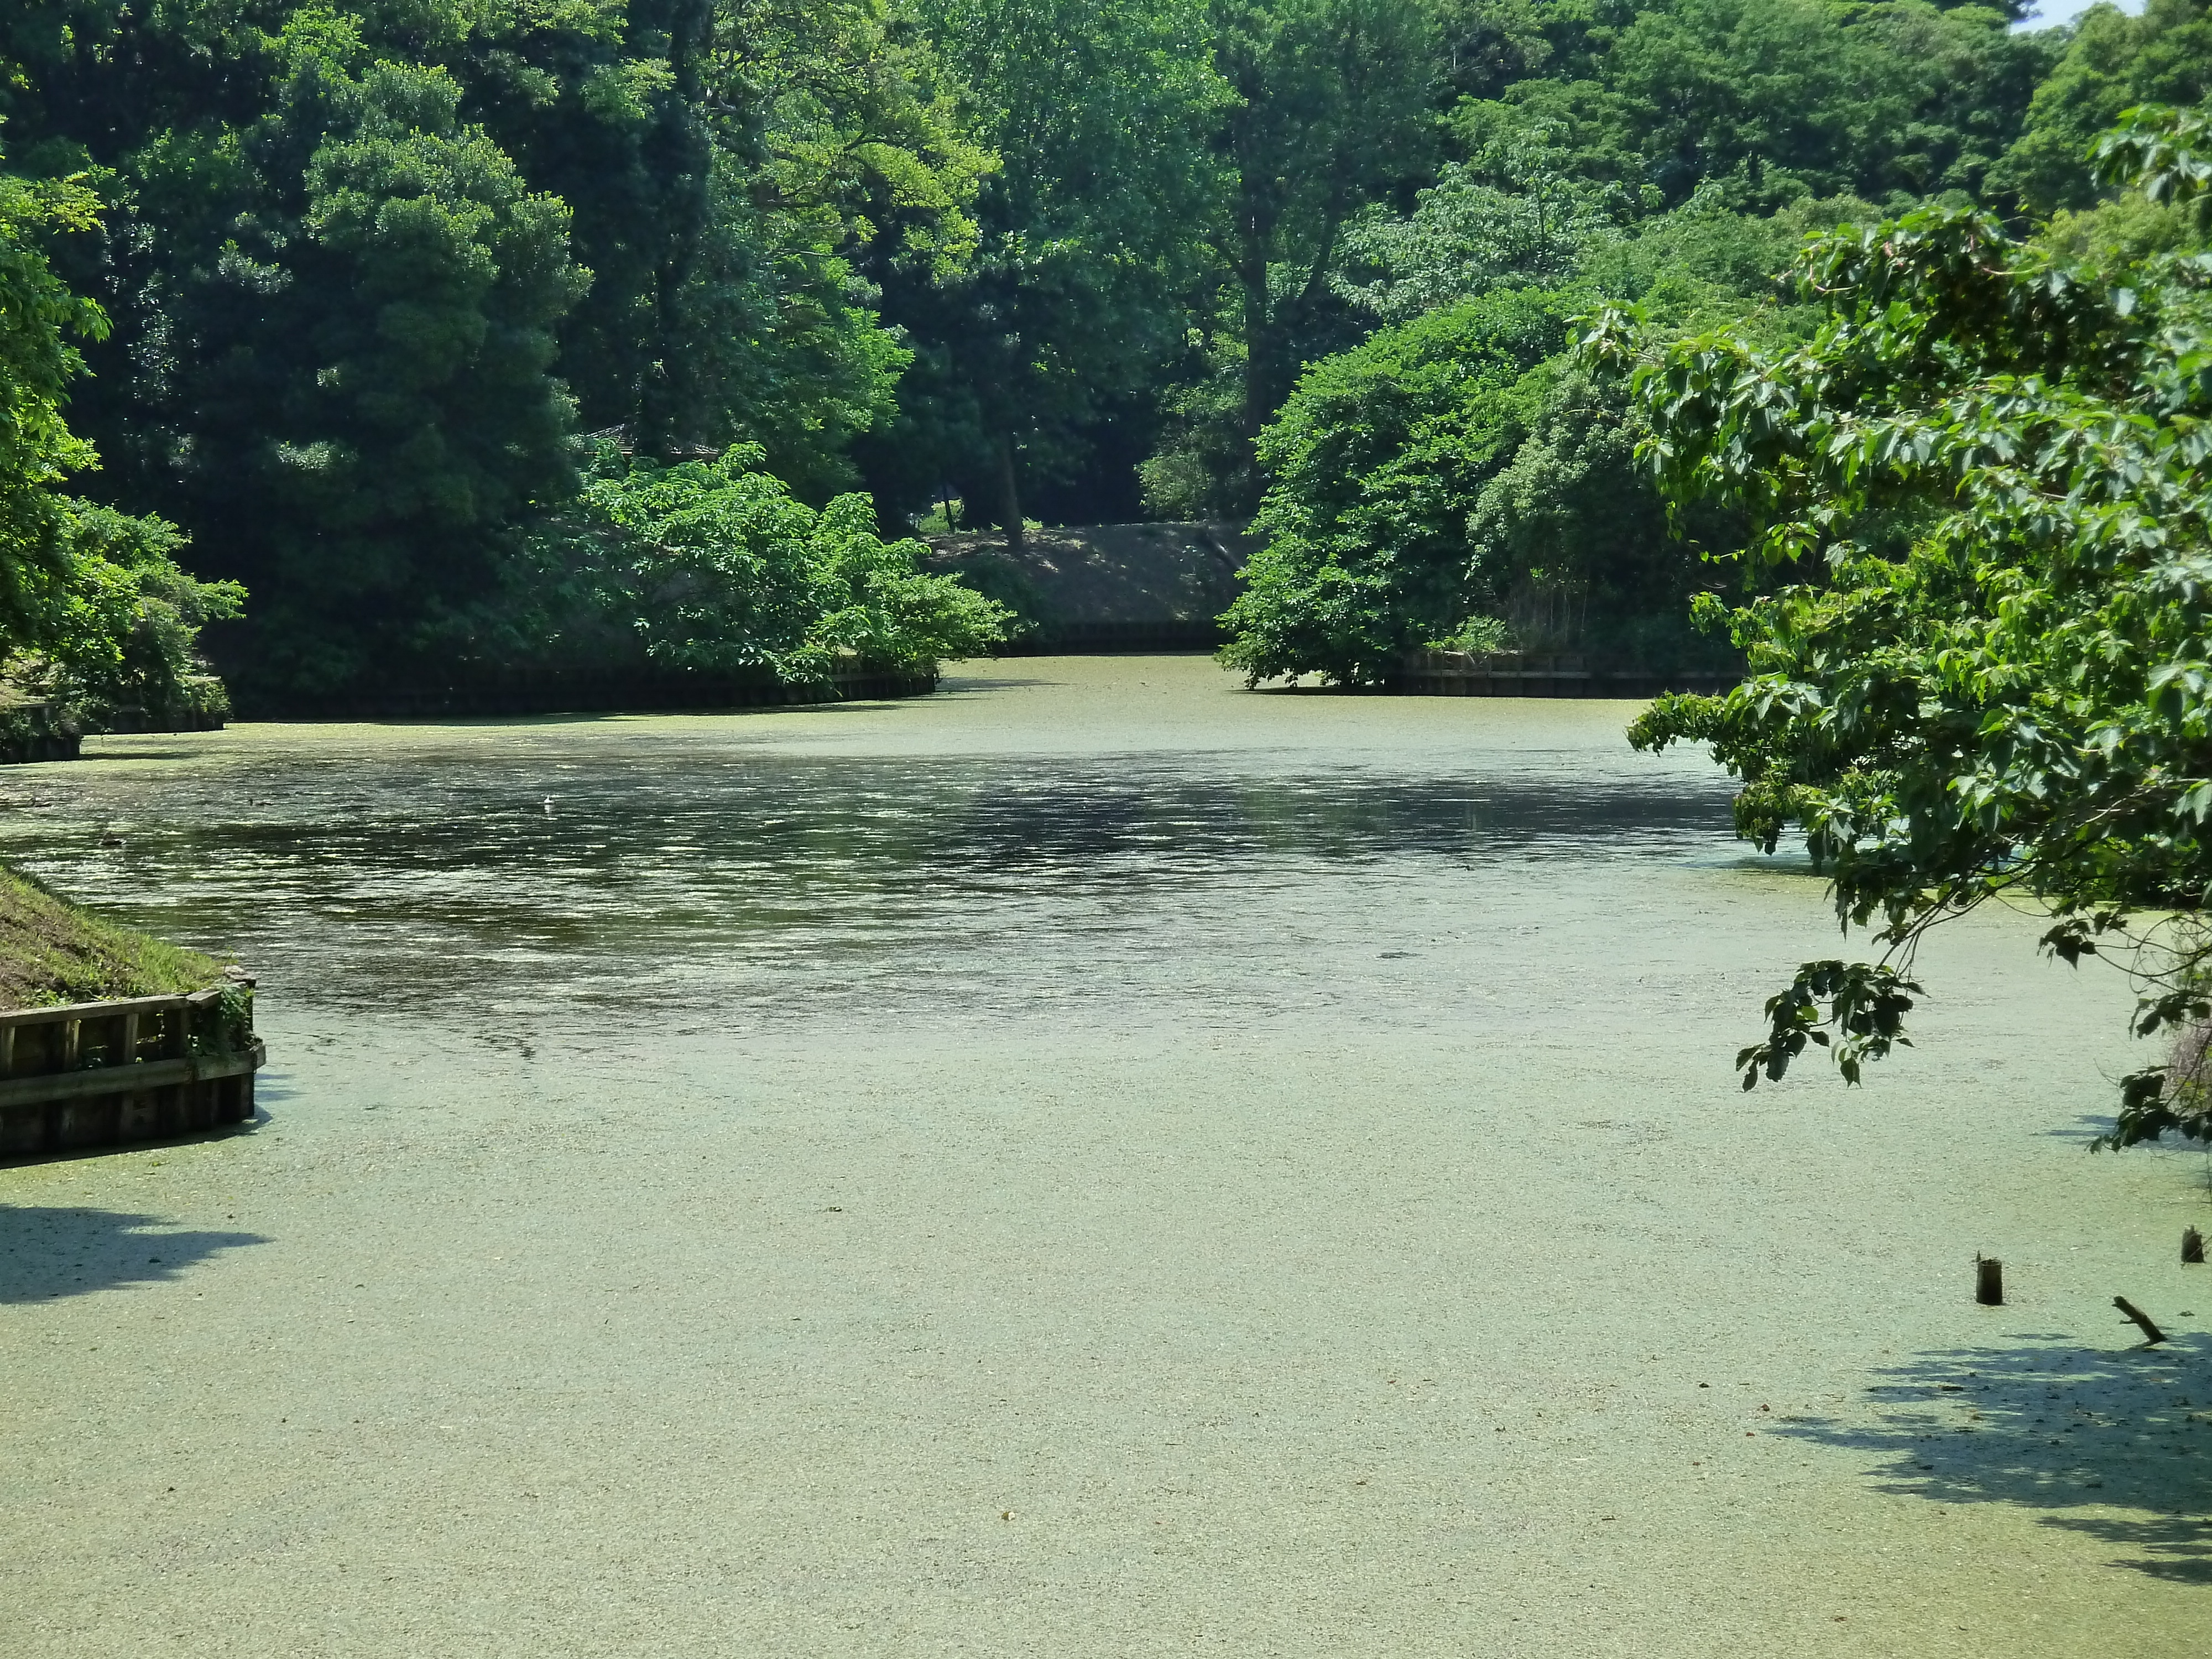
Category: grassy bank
[51,951]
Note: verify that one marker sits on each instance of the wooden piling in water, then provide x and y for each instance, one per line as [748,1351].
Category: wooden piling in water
[2143,1322]
[1989,1281]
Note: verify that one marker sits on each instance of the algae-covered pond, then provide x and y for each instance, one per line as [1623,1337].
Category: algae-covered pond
[1093,1162]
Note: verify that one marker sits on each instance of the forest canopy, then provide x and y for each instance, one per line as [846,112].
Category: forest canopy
[332,313]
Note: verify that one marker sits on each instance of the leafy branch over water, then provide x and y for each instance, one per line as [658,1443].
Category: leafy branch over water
[1977,628]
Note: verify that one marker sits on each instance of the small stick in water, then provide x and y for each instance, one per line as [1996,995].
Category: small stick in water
[1989,1281]
[2151,1332]
[2192,1245]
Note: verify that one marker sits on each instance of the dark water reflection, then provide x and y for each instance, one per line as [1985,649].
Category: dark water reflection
[718,875]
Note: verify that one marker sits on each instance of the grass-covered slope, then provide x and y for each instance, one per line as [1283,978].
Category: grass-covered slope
[51,952]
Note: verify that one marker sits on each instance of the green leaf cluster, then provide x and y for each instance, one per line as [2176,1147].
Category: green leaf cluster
[1979,622]
[38,315]
[1423,493]
[1377,459]
[116,645]
[715,566]
[1774,100]
[95,615]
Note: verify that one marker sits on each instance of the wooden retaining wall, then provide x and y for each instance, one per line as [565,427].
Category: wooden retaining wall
[99,1073]
[33,730]
[1459,674]
[588,691]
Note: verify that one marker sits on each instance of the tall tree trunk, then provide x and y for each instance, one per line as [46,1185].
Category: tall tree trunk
[1010,495]
[1258,347]
[677,155]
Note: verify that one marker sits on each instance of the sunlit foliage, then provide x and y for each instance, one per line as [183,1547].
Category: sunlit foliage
[1981,612]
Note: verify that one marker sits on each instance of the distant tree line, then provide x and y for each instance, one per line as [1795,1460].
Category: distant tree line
[1445,470]
[370,313]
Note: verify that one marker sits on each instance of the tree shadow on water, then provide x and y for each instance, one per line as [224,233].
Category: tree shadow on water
[54,1252]
[2113,1444]
[2085,1127]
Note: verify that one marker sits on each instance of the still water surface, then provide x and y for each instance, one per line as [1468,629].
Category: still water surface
[683,863]
[1092,1162]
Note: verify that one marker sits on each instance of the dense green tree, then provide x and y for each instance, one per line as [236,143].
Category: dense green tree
[1555,541]
[1792,97]
[715,566]
[1489,45]
[393,306]
[1537,225]
[2111,61]
[1570,550]
[599,103]
[1377,459]
[1778,99]
[38,316]
[1978,628]
[845,137]
[732,165]
[336,300]
[1326,108]
[1575,123]
[95,615]
[1329,110]
[1097,114]
[118,638]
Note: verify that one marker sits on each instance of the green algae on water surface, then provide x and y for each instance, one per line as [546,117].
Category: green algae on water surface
[1096,1162]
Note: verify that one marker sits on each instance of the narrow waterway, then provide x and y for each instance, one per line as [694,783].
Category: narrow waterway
[1093,1162]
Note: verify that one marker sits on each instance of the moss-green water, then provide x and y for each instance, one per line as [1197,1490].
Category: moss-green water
[1097,1163]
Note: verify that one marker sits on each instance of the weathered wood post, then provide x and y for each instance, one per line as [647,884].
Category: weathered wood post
[2152,1335]
[1989,1281]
